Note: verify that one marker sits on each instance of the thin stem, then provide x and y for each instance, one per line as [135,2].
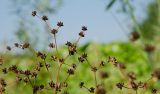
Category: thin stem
[95,78]
[47,69]
[66,79]
[136,92]
[57,79]
[123,74]
[55,41]
[120,24]
[86,88]
[30,81]
[88,63]
[77,40]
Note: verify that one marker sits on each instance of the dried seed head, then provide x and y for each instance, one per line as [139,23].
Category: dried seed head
[8,48]
[84,28]
[119,65]
[51,45]
[41,55]
[34,13]
[149,48]
[102,63]
[4,70]
[65,84]
[54,31]
[104,74]
[94,69]
[27,72]
[41,87]
[34,74]
[134,36]
[100,90]
[70,71]
[91,90]
[72,49]
[154,91]
[81,84]
[134,85]
[44,18]
[58,87]
[156,74]
[81,34]
[25,80]
[84,55]
[25,45]
[16,44]
[52,84]
[60,24]
[120,85]
[40,64]
[54,58]
[81,59]
[13,68]
[74,66]
[142,85]
[69,43]
[61,60]
[112,60]
[21,71]
[2,82]
[18,78]
[48,66]
[132,75]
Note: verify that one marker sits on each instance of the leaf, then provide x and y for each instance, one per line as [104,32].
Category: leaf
[110,4]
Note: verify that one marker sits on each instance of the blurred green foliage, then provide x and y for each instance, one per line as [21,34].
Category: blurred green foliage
[129,54]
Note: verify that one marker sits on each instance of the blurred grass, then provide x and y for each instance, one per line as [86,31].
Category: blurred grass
[129,54]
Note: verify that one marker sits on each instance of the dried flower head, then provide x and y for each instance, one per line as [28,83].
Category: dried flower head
[4,70]
[70,71]
[134,85]
[54,58]
[54,31]
[52,84]
[84,28]
[3,82]
[81,34]
[156,74]
[81,84]
[94,69]
[132,75]
[154,91]
[44,18]
[8,48]
[34,13]
[51,45]
[134,36]
[104,74]
[60,24]
[143,85]
[100,90]
[149,48]
[16,44]
[91,90]
[25,45]
[120,85]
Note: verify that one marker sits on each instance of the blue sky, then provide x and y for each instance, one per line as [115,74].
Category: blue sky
[102,26]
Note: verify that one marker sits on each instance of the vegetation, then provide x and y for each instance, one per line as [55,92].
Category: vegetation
[117,68]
